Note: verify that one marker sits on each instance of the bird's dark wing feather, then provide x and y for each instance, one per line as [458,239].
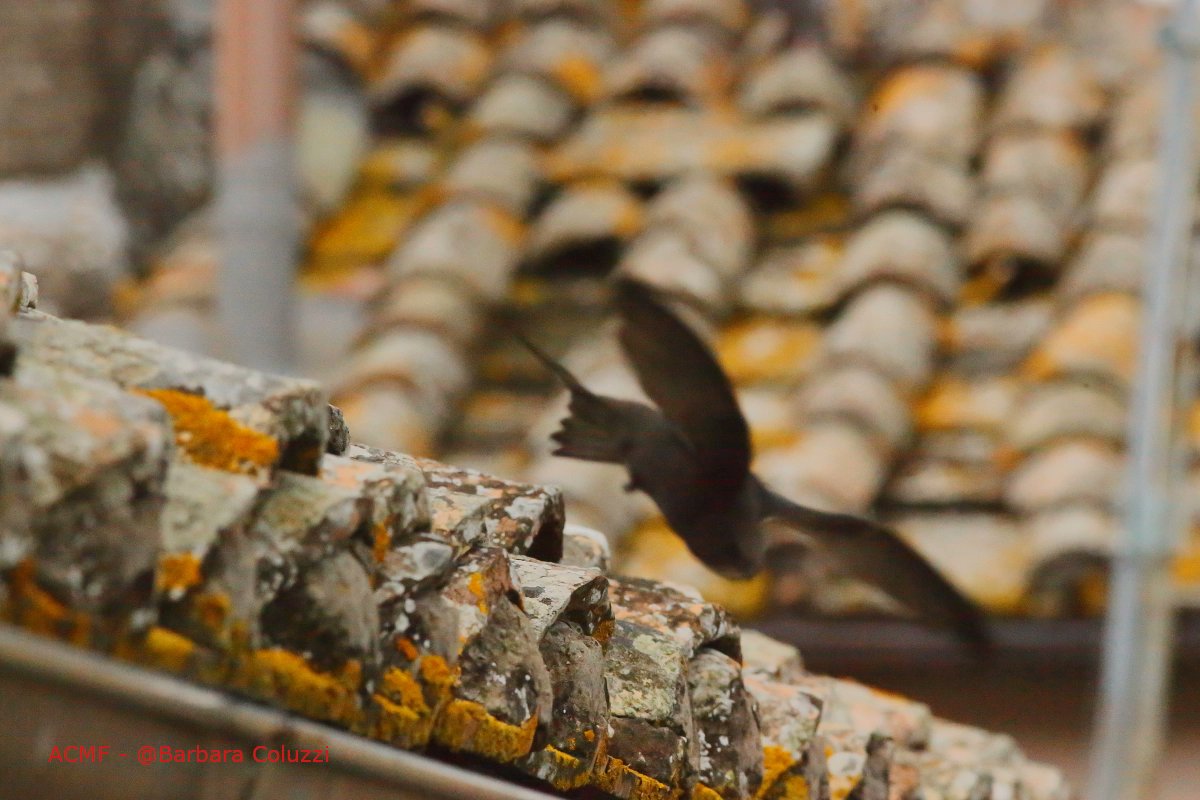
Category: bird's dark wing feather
[683,378]
[873,554]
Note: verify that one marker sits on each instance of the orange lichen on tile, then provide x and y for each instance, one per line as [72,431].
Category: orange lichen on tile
[776,762]
[32,607]
[286,678]
[405,717]
[381,542]
[213,438]
[475,585]
[176,573]
[702,792]
[1099,335]
[212,610]
[617,778]
[162,649]
[1186,569]
[466,726]
[768,350]
[580,77]
[561,770]
[364,231]
[820,214]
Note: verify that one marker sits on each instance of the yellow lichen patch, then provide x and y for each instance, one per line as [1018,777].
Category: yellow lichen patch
[162,649]
[404,718]
[579,76]
[406,648]
[561,770]
[791,787]
[286,678]
[212,610]
[823,213]
[211,437]
[365,230]
[954,404]
[475,585]
[1099,335]
[617,778]
[176,573]
[381,542]
[776,761]
[437,677]
[654,551]
[32,607]
[1187,568]
[768,350]
[702,792]
[466,726]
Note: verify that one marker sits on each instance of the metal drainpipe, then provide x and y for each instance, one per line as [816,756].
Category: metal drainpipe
[256,208]
[1138,643]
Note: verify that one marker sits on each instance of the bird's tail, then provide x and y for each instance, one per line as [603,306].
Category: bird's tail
[593,430]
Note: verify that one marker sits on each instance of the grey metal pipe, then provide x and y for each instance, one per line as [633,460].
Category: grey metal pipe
[52,694]
[257,213]
[1130,721]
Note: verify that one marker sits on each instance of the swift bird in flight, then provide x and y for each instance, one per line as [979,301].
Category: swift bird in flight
[692,456]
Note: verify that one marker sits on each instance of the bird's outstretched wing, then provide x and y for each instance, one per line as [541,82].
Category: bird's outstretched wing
[875,555]
[677,372]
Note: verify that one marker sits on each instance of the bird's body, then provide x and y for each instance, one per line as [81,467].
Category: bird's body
[692,455]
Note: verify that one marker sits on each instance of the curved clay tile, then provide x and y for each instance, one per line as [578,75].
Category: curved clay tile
[569,54]
[428,301]
[996,336]
[681,64]
[771,414]
[858,394]
[1135,130]
[389,416]
[798,79]
[888,327]
[475,243]
[1105,262]
[902,246]
[450,62]
[795,280]
[953,402]
[665,258]
[1073,471]
[400,163]
[1051,88]
[802,470]
[1064,409]
[331,27]
[983,554]
[653,144]
[432,366]
[1071,548]
[933,108]
[585,214]
[522,105]
[501,169]
[906,178]
[472,13]
[728,15]
[1051,166]
[1014,230]
[713,215]
[924,480]
[769,350]
[1098,336]
[1124,196]
[599,10]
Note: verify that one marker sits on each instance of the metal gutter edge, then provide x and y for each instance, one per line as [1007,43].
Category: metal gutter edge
[36,672]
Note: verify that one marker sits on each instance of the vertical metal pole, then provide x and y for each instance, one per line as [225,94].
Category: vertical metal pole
[1130,722]
[256,201]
